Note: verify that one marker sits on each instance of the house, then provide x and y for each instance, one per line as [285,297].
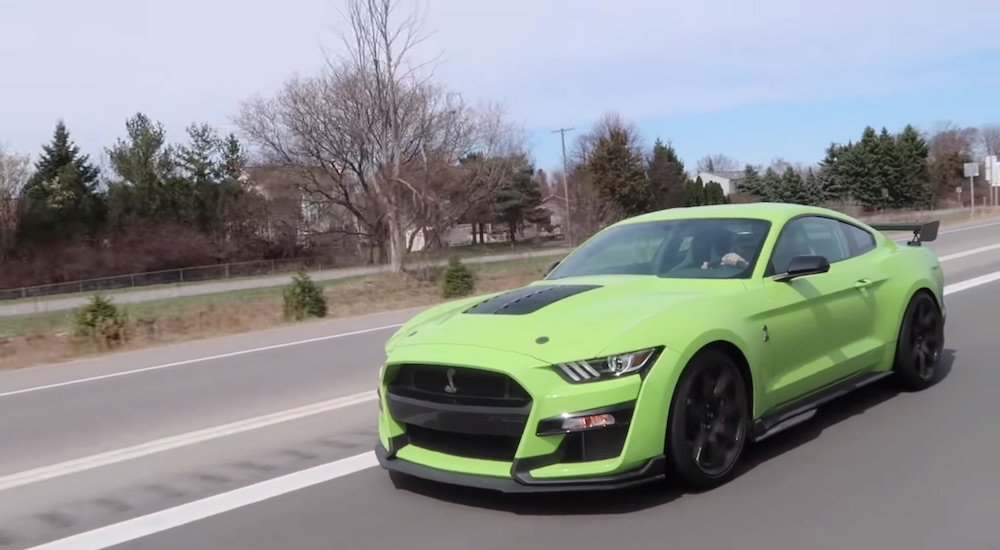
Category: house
[556,206]
[292,214]
[728,180]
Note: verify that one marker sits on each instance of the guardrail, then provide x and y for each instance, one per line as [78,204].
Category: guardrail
[195,274]
[171,291]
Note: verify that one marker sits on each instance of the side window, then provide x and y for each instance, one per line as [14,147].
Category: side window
[809,235]
[861,241]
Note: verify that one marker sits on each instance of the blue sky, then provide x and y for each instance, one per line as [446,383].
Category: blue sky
[753,80]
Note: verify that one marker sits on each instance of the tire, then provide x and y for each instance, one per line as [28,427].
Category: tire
[920,343]
[692,417]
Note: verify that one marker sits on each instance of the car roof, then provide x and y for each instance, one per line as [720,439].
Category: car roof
[775,212]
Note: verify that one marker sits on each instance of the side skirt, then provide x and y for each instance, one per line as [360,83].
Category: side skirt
[802,410]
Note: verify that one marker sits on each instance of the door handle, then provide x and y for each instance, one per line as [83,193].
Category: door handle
[863,283]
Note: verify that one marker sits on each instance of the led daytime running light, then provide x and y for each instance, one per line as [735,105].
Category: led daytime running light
[612,366]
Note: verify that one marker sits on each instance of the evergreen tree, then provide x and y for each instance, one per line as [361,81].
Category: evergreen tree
[234,157]
[814,188]
[520,200]
[618,173]
[861,170]
[914,176]
[790,188]
[887,176]
[694,192]
[149,186]
[714,194]
[831,180]
[62,197]
[666,176]
[771,186]
[753,183]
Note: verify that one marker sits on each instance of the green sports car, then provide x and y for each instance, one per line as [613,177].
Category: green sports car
[659,348]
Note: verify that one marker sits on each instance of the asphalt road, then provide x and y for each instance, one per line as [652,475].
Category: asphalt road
[154,450]
[161,292]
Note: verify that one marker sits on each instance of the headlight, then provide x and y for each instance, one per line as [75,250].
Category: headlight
[612,366]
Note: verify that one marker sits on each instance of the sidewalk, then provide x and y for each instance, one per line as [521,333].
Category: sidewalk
[47,304]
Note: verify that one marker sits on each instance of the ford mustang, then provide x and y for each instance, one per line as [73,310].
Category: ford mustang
[659,349]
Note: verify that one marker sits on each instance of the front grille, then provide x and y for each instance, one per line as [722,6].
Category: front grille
[471,386]
[482,416]
[485,447]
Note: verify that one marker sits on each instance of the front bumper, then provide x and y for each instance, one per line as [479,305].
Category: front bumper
[521,480]
[511,442]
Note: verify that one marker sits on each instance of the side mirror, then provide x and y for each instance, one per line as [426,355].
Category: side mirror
[801,266]
[551,267]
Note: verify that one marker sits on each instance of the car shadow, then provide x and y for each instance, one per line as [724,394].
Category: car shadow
[657,494]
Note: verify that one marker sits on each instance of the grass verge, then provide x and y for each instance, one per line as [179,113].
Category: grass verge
[27,340]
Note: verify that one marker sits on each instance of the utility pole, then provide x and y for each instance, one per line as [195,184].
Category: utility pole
[569,223]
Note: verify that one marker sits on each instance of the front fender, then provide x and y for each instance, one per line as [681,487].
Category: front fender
[685,339]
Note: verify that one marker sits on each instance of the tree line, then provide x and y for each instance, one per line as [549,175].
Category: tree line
[358,160]
[613,174]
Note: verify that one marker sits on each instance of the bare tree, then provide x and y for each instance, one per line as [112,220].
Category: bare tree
[15,170]
[990,137]
[456,163]
[718,163]
[394,151]
[388,90]
[951,139]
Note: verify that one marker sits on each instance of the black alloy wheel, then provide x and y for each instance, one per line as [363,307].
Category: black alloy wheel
[921,342]
[709,420]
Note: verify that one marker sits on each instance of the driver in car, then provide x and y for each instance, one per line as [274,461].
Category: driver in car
[713,242]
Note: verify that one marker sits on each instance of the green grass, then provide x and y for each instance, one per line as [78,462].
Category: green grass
[56,321]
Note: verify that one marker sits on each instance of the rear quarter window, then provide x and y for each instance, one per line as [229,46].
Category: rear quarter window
[861,241]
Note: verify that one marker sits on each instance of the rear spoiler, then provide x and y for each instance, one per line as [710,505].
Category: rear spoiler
[922,232]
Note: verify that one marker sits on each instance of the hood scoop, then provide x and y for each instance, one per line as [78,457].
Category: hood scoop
[527,300]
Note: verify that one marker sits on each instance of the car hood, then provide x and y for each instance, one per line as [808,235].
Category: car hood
[561,320]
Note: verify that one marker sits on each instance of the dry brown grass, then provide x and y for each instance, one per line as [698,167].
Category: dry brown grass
[46,338]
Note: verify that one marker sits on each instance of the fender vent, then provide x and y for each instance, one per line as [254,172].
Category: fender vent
[528,299]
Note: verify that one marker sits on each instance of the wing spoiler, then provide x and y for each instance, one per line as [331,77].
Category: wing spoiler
[923,232]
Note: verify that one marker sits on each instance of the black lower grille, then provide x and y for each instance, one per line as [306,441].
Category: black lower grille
[599,444]
[458,386]
[481,446]
[459,411]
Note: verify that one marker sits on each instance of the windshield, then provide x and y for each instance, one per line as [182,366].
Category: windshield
[708,248]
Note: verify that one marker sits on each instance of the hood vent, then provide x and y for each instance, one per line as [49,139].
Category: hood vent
[527,300]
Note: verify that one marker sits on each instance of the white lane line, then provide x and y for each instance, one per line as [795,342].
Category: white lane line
[198,360]
[169,443]
[957,230]
[143,526]
[119,533]
[972,283]
[970,252]
[970,228]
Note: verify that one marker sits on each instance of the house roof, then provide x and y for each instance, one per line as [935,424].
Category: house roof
[727,174]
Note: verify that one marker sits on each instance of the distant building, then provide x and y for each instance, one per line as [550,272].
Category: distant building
[728,180]
[556,206]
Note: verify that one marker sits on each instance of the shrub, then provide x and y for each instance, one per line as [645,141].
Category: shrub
[458,279]
[304,298]
[100,321]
